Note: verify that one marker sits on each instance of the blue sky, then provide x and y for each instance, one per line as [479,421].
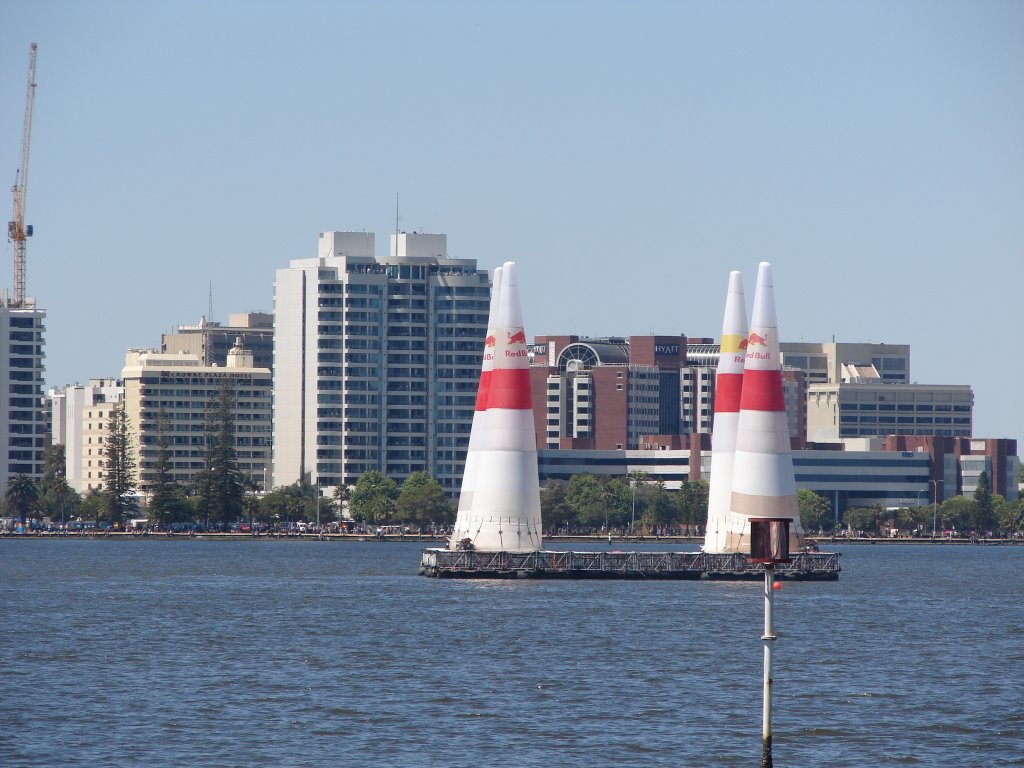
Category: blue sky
[627,154]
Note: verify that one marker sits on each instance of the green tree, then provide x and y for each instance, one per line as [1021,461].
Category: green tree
[422,500]
[815,510]
[585,500]
[57,499]
[692,503]
[866,519]
[553,506]
[21,496]
[285,504]
[374,498]
[984,518]
[166,497]
[222,487]
[118,468]
[617,501]
[1010,515]
[917,518]
[636,479]
[957,513]
[659,509]
[93,505]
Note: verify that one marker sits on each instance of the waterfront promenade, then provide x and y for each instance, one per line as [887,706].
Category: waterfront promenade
[550,541]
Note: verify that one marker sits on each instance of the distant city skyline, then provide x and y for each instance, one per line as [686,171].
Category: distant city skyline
[626,156]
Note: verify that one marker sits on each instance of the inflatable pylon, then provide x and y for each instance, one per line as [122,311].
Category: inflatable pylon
[728,385]
[504,512]
[477,429]
[763,482]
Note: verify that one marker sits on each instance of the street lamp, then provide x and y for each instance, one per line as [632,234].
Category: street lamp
[632,519]
[935,502]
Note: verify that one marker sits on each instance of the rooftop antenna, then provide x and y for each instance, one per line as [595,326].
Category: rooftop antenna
[210,308]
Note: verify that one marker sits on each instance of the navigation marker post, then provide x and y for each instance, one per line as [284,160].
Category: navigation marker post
[769,544]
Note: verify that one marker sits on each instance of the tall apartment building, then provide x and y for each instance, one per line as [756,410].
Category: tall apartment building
[79,416]
[23,427]
[178,390]
[95,424]
[608,393]
[211,341]
[376,360]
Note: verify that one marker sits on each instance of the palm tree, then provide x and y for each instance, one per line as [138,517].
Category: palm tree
[21,495]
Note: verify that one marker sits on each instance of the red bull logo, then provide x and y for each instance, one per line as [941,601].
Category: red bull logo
[490,341]
[517,337]
[743,344]
[756,340]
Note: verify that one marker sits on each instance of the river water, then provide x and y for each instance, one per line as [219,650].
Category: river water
[287,653]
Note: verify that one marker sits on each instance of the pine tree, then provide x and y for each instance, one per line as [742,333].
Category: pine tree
[119,468]
[222,491]
[167,502]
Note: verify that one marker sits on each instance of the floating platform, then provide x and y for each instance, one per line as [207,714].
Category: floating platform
[694,566]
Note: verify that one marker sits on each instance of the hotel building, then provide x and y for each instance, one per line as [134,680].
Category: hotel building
[177,392]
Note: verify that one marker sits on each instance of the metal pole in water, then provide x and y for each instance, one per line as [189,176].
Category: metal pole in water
[768,637]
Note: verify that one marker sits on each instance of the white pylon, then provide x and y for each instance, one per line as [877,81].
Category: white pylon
[728,385]
[504,514]
[763,481]
[477,431]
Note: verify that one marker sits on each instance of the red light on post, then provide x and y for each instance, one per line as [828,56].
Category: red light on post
[769,540]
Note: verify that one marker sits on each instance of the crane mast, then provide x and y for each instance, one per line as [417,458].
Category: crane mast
[17,231]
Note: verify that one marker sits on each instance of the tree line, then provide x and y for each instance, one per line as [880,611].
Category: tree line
[221,496]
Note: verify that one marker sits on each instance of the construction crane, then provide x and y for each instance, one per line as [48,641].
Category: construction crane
[17,231]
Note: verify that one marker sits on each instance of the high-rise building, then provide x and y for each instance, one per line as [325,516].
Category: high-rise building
[175,394]
[376,360]
[23,428]
[211,341]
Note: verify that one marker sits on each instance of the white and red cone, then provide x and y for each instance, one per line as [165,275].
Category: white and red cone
[503,511]
[728,385]
[763,481]
[477,431]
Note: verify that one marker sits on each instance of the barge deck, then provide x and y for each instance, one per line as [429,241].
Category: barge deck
[472,564]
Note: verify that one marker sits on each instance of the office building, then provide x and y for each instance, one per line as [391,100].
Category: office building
[606,393]
[177,393]
[866,407]
[376,360]
[828,362]
[23,428]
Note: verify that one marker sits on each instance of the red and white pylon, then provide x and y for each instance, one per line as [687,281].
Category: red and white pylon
[477,430]
[504,513]
[728,385]
[763,481]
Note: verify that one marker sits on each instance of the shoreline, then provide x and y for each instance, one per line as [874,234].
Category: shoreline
[433,540]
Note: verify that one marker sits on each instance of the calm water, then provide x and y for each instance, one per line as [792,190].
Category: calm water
[287,653]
